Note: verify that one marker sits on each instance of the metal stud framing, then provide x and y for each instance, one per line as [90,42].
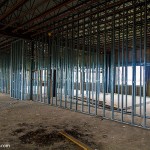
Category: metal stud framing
[95,62]
[20,70]
[4,73]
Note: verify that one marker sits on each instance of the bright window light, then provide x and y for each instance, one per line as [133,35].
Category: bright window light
[120,75]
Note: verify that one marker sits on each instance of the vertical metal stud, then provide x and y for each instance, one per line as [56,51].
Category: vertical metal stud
[113,66]
[134,65]
[144,68]
[104,67]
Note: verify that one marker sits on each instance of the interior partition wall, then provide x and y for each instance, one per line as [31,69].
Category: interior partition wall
[95,62]
[4,73]
[20,70]
[40,67]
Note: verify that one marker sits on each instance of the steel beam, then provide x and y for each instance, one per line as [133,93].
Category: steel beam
[13,8]
[23,15]
[44,14]
[60,16]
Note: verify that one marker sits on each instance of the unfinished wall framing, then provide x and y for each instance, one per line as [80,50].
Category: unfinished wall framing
[20,70]
[4,73]
[96,61]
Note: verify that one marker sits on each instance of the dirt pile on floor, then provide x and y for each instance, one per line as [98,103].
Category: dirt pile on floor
[41,137]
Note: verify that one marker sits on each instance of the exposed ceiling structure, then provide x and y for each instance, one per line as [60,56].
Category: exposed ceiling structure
[26,18]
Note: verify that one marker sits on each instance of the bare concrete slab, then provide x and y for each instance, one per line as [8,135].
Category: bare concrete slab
[29,125]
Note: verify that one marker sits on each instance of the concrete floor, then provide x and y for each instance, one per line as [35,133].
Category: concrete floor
[127,106]
[28,125]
